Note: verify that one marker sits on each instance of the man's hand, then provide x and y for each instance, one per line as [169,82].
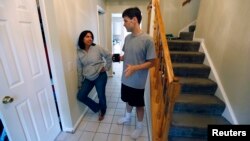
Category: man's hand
[130,69]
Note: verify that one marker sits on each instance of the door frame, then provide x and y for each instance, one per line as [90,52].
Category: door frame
[56,64]
[101,25]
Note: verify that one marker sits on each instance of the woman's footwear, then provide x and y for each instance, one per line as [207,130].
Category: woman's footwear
[101,116]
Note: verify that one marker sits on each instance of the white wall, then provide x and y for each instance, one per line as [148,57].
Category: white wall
[224,26]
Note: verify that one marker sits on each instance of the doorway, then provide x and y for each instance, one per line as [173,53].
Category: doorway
[101,27]
[118,35]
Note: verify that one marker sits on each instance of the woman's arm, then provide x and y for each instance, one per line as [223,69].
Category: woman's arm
[108,58]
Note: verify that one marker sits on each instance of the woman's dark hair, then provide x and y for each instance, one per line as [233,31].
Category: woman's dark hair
[82,35]
[133,12]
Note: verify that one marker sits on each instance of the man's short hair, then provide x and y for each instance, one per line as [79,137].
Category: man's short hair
[133,12]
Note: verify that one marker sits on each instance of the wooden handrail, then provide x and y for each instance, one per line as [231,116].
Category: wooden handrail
[164,42]
[164,86]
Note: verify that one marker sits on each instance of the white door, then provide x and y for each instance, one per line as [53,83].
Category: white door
[24,76]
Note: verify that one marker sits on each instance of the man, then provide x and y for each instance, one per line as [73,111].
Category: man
[139,55]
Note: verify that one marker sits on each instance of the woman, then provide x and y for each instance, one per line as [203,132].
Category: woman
[93,62]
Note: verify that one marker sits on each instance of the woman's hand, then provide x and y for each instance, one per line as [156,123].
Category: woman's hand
[103,69]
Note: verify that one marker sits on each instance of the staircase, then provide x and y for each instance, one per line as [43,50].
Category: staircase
[196,106]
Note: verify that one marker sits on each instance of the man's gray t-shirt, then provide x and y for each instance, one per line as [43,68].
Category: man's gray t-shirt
[137,50]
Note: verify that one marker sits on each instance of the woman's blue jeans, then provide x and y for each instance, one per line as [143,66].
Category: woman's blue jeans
[100,85]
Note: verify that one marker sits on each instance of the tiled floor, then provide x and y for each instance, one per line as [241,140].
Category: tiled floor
[91,129]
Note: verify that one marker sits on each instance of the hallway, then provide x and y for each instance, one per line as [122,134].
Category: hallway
[90,129]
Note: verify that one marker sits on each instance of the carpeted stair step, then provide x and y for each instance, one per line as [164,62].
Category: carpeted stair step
[186,36]
[193,125]
[192,28]
[200,104]
[187,57]
[197,85]
[191,70]
[183,45]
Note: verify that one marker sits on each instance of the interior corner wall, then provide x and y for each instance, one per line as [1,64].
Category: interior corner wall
[225,28]
[176,17]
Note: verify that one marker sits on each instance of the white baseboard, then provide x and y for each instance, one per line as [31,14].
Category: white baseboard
[220,92]
[72,130]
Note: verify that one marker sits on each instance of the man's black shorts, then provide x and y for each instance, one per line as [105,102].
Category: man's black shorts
[134,97]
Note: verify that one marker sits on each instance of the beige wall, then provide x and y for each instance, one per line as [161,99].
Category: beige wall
[225,27]
[176,17]
[65,21]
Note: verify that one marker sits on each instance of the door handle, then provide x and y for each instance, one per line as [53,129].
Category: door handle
[7,99]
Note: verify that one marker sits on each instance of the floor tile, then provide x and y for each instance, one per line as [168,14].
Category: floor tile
[91,126]
[104,128]
[127,130]
[110,111]
[100,137]
[107,119]
[127,138]
[114,137]
[87,136]
[116,129]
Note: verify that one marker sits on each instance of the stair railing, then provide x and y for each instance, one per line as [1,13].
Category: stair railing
[164,86]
